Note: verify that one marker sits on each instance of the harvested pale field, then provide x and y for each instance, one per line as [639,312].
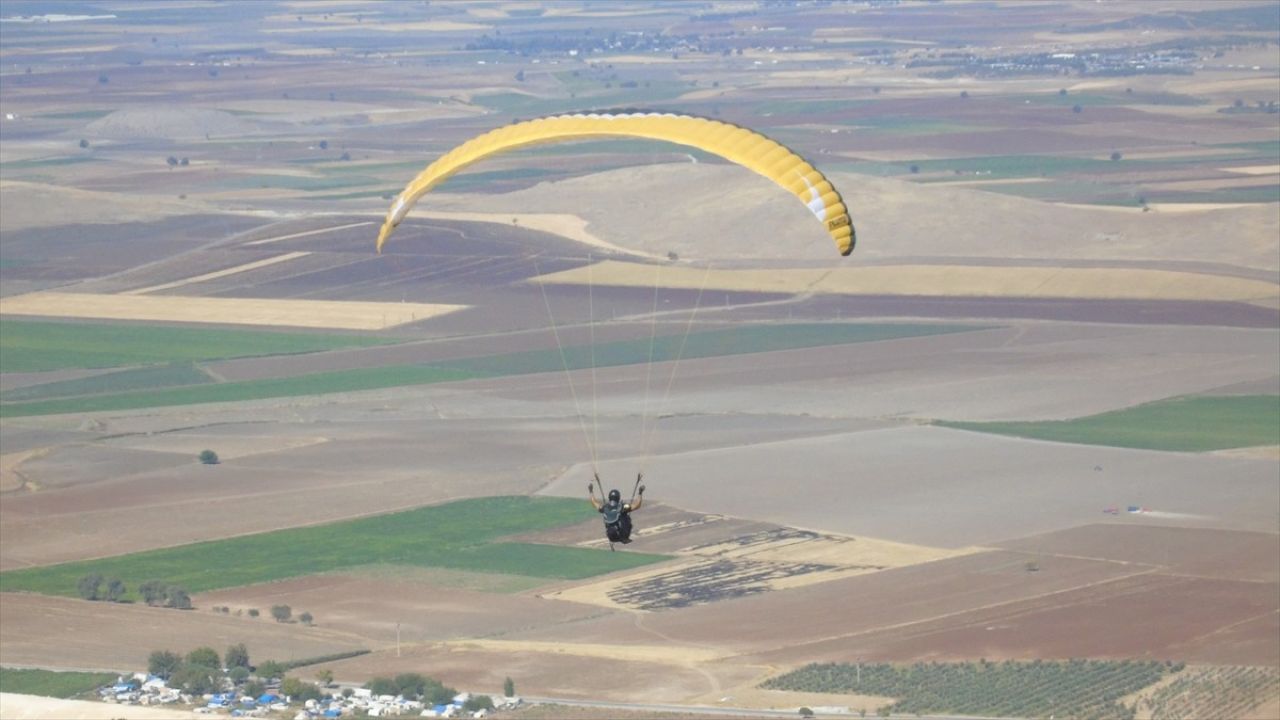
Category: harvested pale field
[32,707]
[286,257]
[1148,615]
[43,631]
[346,315]
[736,566]
[546,672]
[848,607]
[1201,552]
[1271,452]
[1208,185]
[1187,208]
[11,478]
[941,281]
[420,605]
[35,205]
[308,233]
[952,489]
[563,224]
[681,208]
[1253,169]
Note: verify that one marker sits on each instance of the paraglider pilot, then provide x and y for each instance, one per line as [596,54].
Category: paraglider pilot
[616,514]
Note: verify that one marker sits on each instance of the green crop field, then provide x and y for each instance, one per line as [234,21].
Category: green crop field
[716,343]
[1076,689]
[47,683]
[147,378]
[463,535]
[312,384]
[1189,424]
[30,346]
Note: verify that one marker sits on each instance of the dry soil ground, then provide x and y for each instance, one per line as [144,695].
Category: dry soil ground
[825,440]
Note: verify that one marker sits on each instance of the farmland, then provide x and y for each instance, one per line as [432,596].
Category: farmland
[1077,688]
[28,346]
[113,392]
[459,536]
[1228,692]
[1190,424]
[51,684]
[1067,224]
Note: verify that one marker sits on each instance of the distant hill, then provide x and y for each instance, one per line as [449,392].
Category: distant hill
[168,123]
[702,210]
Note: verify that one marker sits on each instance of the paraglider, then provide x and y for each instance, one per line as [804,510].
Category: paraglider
[615,513]
[732,142]
[739,145]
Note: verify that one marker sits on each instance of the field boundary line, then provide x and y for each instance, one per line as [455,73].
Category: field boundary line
[219,273]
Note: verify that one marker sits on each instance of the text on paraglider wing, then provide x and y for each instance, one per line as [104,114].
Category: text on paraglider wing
[838,222]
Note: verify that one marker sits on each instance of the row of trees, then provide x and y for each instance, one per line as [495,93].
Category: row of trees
[154,592]
[203,671]
[415,686]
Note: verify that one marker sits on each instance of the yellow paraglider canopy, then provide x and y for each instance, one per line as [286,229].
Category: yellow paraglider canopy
[736,144]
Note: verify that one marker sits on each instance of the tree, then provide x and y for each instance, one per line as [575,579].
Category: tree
[324,144]
[254,688]
[281,613]
[84,143]
[152,592]
[116,590]
[478,702]
[382,686]
[177,598]
[519,76]
[1062,92]
[237,656]
[208,457]
[508,687]
[204,657]
[171,161]
[1116,156]
[324,677]
[196,679]
[1077,108]
[184,162]
[270,670]
[89,585]
[163,663]
[305,618]
[806,712]
[292,687]
[103,79]
[253,612]
[439,693]
[964,94]
[238,675]
[410,684]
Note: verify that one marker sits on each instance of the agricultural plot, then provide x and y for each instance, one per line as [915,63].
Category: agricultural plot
[462,535]
[715,343]
[48,683]
[1077,688]
[735,564]
[1217,692]
[1192,424]
[29,346]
